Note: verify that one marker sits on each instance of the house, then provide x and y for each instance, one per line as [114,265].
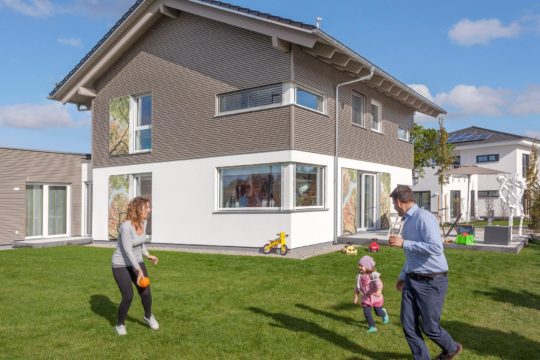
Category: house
[504,152]
[226,118]
[44,195]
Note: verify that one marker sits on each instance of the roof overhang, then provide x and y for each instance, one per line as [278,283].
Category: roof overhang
[78,86]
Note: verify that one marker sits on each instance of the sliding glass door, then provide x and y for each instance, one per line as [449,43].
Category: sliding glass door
[46,210]
[367,205]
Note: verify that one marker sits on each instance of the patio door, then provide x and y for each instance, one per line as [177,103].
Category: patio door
[47,212]
[367,208]
[455,203]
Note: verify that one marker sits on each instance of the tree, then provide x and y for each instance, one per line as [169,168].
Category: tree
[444,155]
[425,143]
[532,196]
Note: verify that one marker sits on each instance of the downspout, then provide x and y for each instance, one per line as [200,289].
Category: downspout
[363,78]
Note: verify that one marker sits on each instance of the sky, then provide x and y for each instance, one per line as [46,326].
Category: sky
[479,59]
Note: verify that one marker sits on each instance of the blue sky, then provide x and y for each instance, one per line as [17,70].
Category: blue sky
[477,59]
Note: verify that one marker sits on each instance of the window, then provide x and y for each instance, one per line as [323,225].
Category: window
[143,187]
[256,186]
[488,193]
[423,199]
[457,162]
[253,98]
[524,164]
[142,123]
[376,116]
[403,134]
[358,103]
[309,185]
[47,210]
[309,99]
[487,158]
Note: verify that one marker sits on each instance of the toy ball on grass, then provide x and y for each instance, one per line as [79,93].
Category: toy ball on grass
[144,282]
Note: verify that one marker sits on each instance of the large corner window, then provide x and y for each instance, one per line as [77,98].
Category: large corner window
[358,104]
[47,210]
[376,116]
[250,187]
[524,164]
[309,99]
[254,98]
[487,158]
[457,162]
[309,185]
[403,134]
[143,123]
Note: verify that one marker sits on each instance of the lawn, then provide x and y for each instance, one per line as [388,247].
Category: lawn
[61,303]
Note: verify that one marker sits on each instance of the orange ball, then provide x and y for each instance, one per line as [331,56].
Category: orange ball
[144,282]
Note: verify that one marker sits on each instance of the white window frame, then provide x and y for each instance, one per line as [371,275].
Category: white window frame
[219,191]
[45,214]
[407,134]
[363,111]
[379,107]
[133,117]
[314,92]
[254,108]
[321,186]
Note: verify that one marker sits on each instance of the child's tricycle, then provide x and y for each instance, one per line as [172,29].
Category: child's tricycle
[280,242]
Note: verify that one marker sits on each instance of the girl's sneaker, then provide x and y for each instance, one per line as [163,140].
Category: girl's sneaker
[120,330]
[385,318]
[152,322]
[372,329]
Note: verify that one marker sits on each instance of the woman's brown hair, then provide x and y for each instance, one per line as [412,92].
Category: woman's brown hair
[134,211]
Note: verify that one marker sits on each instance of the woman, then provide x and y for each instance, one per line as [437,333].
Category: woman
[128,264]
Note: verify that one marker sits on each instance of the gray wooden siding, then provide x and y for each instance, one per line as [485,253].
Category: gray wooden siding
[184,63]
[19,167]
[316,133]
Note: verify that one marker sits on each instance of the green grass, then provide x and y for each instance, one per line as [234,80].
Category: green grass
[61,303]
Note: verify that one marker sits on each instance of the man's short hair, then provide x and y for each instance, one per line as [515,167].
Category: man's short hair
[402,193]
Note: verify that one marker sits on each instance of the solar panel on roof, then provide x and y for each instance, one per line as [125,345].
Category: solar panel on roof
[466,137]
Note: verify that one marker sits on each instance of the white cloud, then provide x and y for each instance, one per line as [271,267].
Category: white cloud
[422,90]
[473,100]
[34,8]
[36,116]
[70,42]
[468,33]
[527,103]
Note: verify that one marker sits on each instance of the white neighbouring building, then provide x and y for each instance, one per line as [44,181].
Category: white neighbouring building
[505,152]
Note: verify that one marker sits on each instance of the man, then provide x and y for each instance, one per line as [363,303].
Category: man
[423,281]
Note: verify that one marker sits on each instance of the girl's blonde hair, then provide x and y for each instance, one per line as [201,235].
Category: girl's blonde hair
[134,210]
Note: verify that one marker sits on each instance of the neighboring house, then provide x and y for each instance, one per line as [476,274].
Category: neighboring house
[225,117]
[44,194]
[486,148]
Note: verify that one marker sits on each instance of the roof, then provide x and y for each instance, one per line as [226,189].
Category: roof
[85,155]
[478,135]
[76,87]
[474,170]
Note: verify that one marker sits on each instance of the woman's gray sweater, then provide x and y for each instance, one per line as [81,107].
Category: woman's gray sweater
[129,247]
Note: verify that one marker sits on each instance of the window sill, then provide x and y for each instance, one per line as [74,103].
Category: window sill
[377,131]
[244,111]
[358,126]
[407,141]
[131,154]
[269,211]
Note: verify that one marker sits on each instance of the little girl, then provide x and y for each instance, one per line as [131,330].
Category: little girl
[369,284]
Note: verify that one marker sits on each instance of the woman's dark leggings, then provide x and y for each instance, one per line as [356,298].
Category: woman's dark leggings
[367,313]
[125,276]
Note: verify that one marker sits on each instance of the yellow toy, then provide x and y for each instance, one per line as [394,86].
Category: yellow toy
[349,249]
[280,241]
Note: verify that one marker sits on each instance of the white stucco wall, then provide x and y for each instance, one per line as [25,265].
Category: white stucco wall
[185,201]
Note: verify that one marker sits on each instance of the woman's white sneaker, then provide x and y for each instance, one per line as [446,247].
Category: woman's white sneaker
[120,330]
[152,322]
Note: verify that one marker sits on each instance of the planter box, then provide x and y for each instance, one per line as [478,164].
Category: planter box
[499,235]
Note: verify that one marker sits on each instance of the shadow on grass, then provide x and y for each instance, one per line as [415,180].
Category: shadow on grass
[517,298]
[296,324]
[500,344]
[104,307]
[345,319]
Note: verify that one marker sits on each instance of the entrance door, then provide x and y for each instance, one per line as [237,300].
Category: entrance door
[455,203]
[367,208]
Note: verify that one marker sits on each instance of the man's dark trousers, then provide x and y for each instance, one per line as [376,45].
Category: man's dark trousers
[421,306]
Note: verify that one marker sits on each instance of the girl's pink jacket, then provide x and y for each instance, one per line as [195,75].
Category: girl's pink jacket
[367,285]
